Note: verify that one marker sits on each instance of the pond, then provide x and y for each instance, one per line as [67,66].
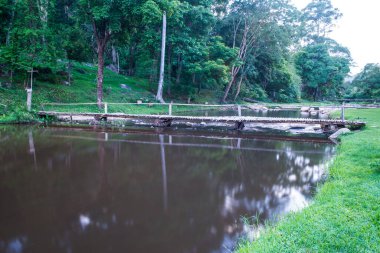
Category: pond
[75,190]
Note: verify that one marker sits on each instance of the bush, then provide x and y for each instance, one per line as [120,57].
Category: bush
[18,114]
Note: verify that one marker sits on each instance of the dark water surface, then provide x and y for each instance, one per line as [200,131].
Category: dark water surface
[71,191]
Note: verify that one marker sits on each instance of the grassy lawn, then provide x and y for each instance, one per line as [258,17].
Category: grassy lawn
[82,89]
[117,88]
[345,215]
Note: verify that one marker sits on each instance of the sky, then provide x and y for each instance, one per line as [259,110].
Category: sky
[358,29]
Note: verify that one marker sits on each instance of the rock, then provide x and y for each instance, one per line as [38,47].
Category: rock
[338,133]
[314,113]
[124,86]
[305,109]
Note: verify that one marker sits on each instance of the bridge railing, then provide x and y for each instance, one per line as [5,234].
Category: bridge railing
[211,110]
[147,108]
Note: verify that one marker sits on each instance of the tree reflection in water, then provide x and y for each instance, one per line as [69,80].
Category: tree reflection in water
[97,192]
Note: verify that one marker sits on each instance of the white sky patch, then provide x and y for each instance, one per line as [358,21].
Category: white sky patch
[358,29]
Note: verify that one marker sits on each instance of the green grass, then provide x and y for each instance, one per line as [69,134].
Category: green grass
[345,215]
[82,90]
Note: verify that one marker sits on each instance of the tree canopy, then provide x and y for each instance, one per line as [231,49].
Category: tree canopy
[242,49]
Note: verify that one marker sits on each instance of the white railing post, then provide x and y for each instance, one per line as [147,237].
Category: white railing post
[239,110]
[342,112]
[171,108]
[29,99]
[105,108]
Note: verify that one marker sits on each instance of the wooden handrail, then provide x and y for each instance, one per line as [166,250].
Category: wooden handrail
[163,104]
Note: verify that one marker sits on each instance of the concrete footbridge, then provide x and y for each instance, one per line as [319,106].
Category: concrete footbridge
[163,115]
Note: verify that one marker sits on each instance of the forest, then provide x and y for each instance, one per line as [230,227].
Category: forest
[252,50]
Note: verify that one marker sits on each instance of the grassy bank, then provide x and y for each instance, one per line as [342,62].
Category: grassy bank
[345,215]
[117,88]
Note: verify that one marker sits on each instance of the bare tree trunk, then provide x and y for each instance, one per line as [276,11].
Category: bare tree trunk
[238,87]
[100,78]
[247,41]
[234,71]
[113,52]
[162,66]
[115,59]
[169,69]
[118,62]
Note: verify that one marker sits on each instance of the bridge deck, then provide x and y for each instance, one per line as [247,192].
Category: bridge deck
[221,119]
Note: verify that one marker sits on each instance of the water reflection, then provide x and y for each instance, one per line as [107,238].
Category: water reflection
[128,192]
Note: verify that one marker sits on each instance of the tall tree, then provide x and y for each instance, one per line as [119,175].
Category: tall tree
[30,43]
[322,63]
[262,31]
[162,65]
[107,18]
[367,83]
[323,68]
[318,19]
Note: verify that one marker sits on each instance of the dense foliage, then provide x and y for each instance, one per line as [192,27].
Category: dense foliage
[366,85]
[244,49]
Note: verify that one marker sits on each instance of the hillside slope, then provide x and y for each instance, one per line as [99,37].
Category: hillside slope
[117,88]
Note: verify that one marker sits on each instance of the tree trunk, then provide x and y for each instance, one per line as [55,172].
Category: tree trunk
[11,76]
[131,67]
[101,48]
[234,72]
[227,90]
[8,36]
[115,60]
[179,70]
[315,94]
[169,70]
[43,14]
[118,62]
[114,57]
[238,88]
[162,66]
[200,86]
